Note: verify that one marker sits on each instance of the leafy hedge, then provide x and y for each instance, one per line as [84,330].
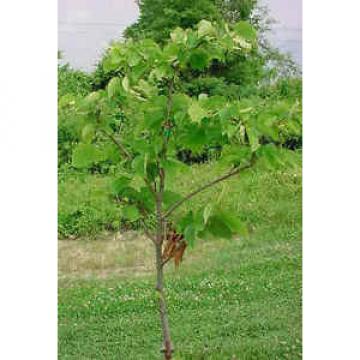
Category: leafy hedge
[85,207]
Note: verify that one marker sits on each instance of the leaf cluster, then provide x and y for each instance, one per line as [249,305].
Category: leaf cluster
[147,94]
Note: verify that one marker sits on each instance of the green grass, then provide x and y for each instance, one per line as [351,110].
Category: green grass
[238,299]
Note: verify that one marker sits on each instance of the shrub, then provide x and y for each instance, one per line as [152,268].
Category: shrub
[74,82]
[85,207]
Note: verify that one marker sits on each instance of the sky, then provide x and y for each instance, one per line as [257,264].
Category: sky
[87,26]
[287,32]
[287,12]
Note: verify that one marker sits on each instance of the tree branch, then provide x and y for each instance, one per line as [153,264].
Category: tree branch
[166,261]
[121,147]
[145,228]
[147,233]
[233,172]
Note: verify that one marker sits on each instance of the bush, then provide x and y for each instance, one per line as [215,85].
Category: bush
[72,86]
[85,207]
[74,82]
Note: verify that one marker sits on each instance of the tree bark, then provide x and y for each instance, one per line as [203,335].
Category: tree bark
[168,349]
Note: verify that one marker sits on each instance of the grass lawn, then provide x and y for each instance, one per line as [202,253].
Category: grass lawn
[238,299]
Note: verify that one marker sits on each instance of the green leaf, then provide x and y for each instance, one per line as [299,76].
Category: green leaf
[126,84]
[234,223]
[190,234]
[199,59]
[235,154]
[207,212]
[154,117]
[185,221]
[137,72]
[178,36]
[196,112]
[231,130]
[229,112]
[267,124]
[171,52]
[130,193]
[113,60]
[194,138]
[92,98]
[84,156]
[150,50]
[253,138]
[109,152]
[154,112]
[206,28]
[181,102]
[152,170]
[88,133]
[159,72]
[239,40]
[120,184]
[114,87]
[146,198]
[133,58]
[145,88]
[270,156]
[218,227]
[213,104]
[170,197]
[144,166]
[131,213]
[192,39]
[173,167]
[139,165]
[191,225]
[244,29]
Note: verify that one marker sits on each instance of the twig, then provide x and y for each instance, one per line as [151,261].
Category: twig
[146,230]
[235,171]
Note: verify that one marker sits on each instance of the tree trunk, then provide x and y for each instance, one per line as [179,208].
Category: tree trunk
[160,238]
[168,349]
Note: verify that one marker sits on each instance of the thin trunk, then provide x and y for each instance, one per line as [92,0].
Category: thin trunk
[168,349]
[161,236]
[160,273]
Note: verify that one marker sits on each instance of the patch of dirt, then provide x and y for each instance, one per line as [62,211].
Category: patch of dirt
[126,255]
[107,256]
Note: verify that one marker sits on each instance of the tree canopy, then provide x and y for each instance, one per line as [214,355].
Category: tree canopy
[162,119]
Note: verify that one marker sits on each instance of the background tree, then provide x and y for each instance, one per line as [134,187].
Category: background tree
[159,17]
[162,117]
[240,74]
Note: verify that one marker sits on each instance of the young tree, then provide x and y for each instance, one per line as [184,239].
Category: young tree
[161,119]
